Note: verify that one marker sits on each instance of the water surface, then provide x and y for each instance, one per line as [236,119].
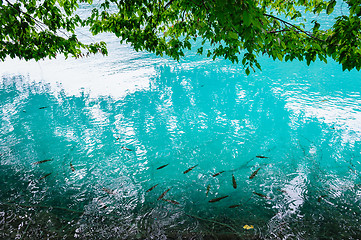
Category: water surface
[107,123]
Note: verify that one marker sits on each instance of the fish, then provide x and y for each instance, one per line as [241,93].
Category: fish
[259,156]
[150,189]
[44,176]
[208,188]
[217,199]
[234,206]
[281,190]
[43,107]
[189,169]
[163,166]
[215,175]
[234,182]
[72,167]
[254,174]
[42,161]
[163,194]
[128,149]
[107,190]
[261,195]
[320,198]
[170,201]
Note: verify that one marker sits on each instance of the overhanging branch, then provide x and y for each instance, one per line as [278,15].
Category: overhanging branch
[168,4]
[293,26]
[277,31]
[38,23]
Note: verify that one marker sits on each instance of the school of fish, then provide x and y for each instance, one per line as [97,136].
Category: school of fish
[213,200]
[164,193]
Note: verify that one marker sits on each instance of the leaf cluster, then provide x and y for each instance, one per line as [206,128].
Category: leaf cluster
[31,29]
[238,30]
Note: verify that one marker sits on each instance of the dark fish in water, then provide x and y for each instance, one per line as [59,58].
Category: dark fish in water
[280,190]
[189,169]
[208,188]
[234,182]
[117,139]
[107,190]
[150,189]
[72,167]
[43,107]
[42,161]
[254,174]
[320,198]
[261,157]
[215,175]
[163,166]
[217,199]
[163,194]
[261,195]
[45,176]
[127,149]
[170,201]
[234,206]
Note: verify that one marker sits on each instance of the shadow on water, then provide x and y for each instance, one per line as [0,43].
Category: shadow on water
[287,170]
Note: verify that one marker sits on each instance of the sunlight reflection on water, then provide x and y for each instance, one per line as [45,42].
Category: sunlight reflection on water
[108,123]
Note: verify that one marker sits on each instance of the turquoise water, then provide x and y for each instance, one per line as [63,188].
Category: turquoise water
[289,135]
[304,120]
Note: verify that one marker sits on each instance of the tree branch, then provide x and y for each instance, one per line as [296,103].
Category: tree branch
[196,4]
[205,6]
[41,25]
[38,23]
[294,26]
[168,4]
[283,30]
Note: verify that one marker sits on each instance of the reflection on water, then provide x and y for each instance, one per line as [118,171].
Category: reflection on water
[289,136]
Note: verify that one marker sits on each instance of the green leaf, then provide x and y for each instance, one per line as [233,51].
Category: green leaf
[233,35]
[330,6]
[248,71]
[246,18]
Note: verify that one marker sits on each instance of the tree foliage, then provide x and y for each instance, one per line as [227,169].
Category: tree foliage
[238,30]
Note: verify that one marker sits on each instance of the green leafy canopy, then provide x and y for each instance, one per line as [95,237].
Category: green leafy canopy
[238,30]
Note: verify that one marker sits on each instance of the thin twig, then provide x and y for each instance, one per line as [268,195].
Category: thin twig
[205,6]
[195,4]
[283,30]
[168,4]
[294,26]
